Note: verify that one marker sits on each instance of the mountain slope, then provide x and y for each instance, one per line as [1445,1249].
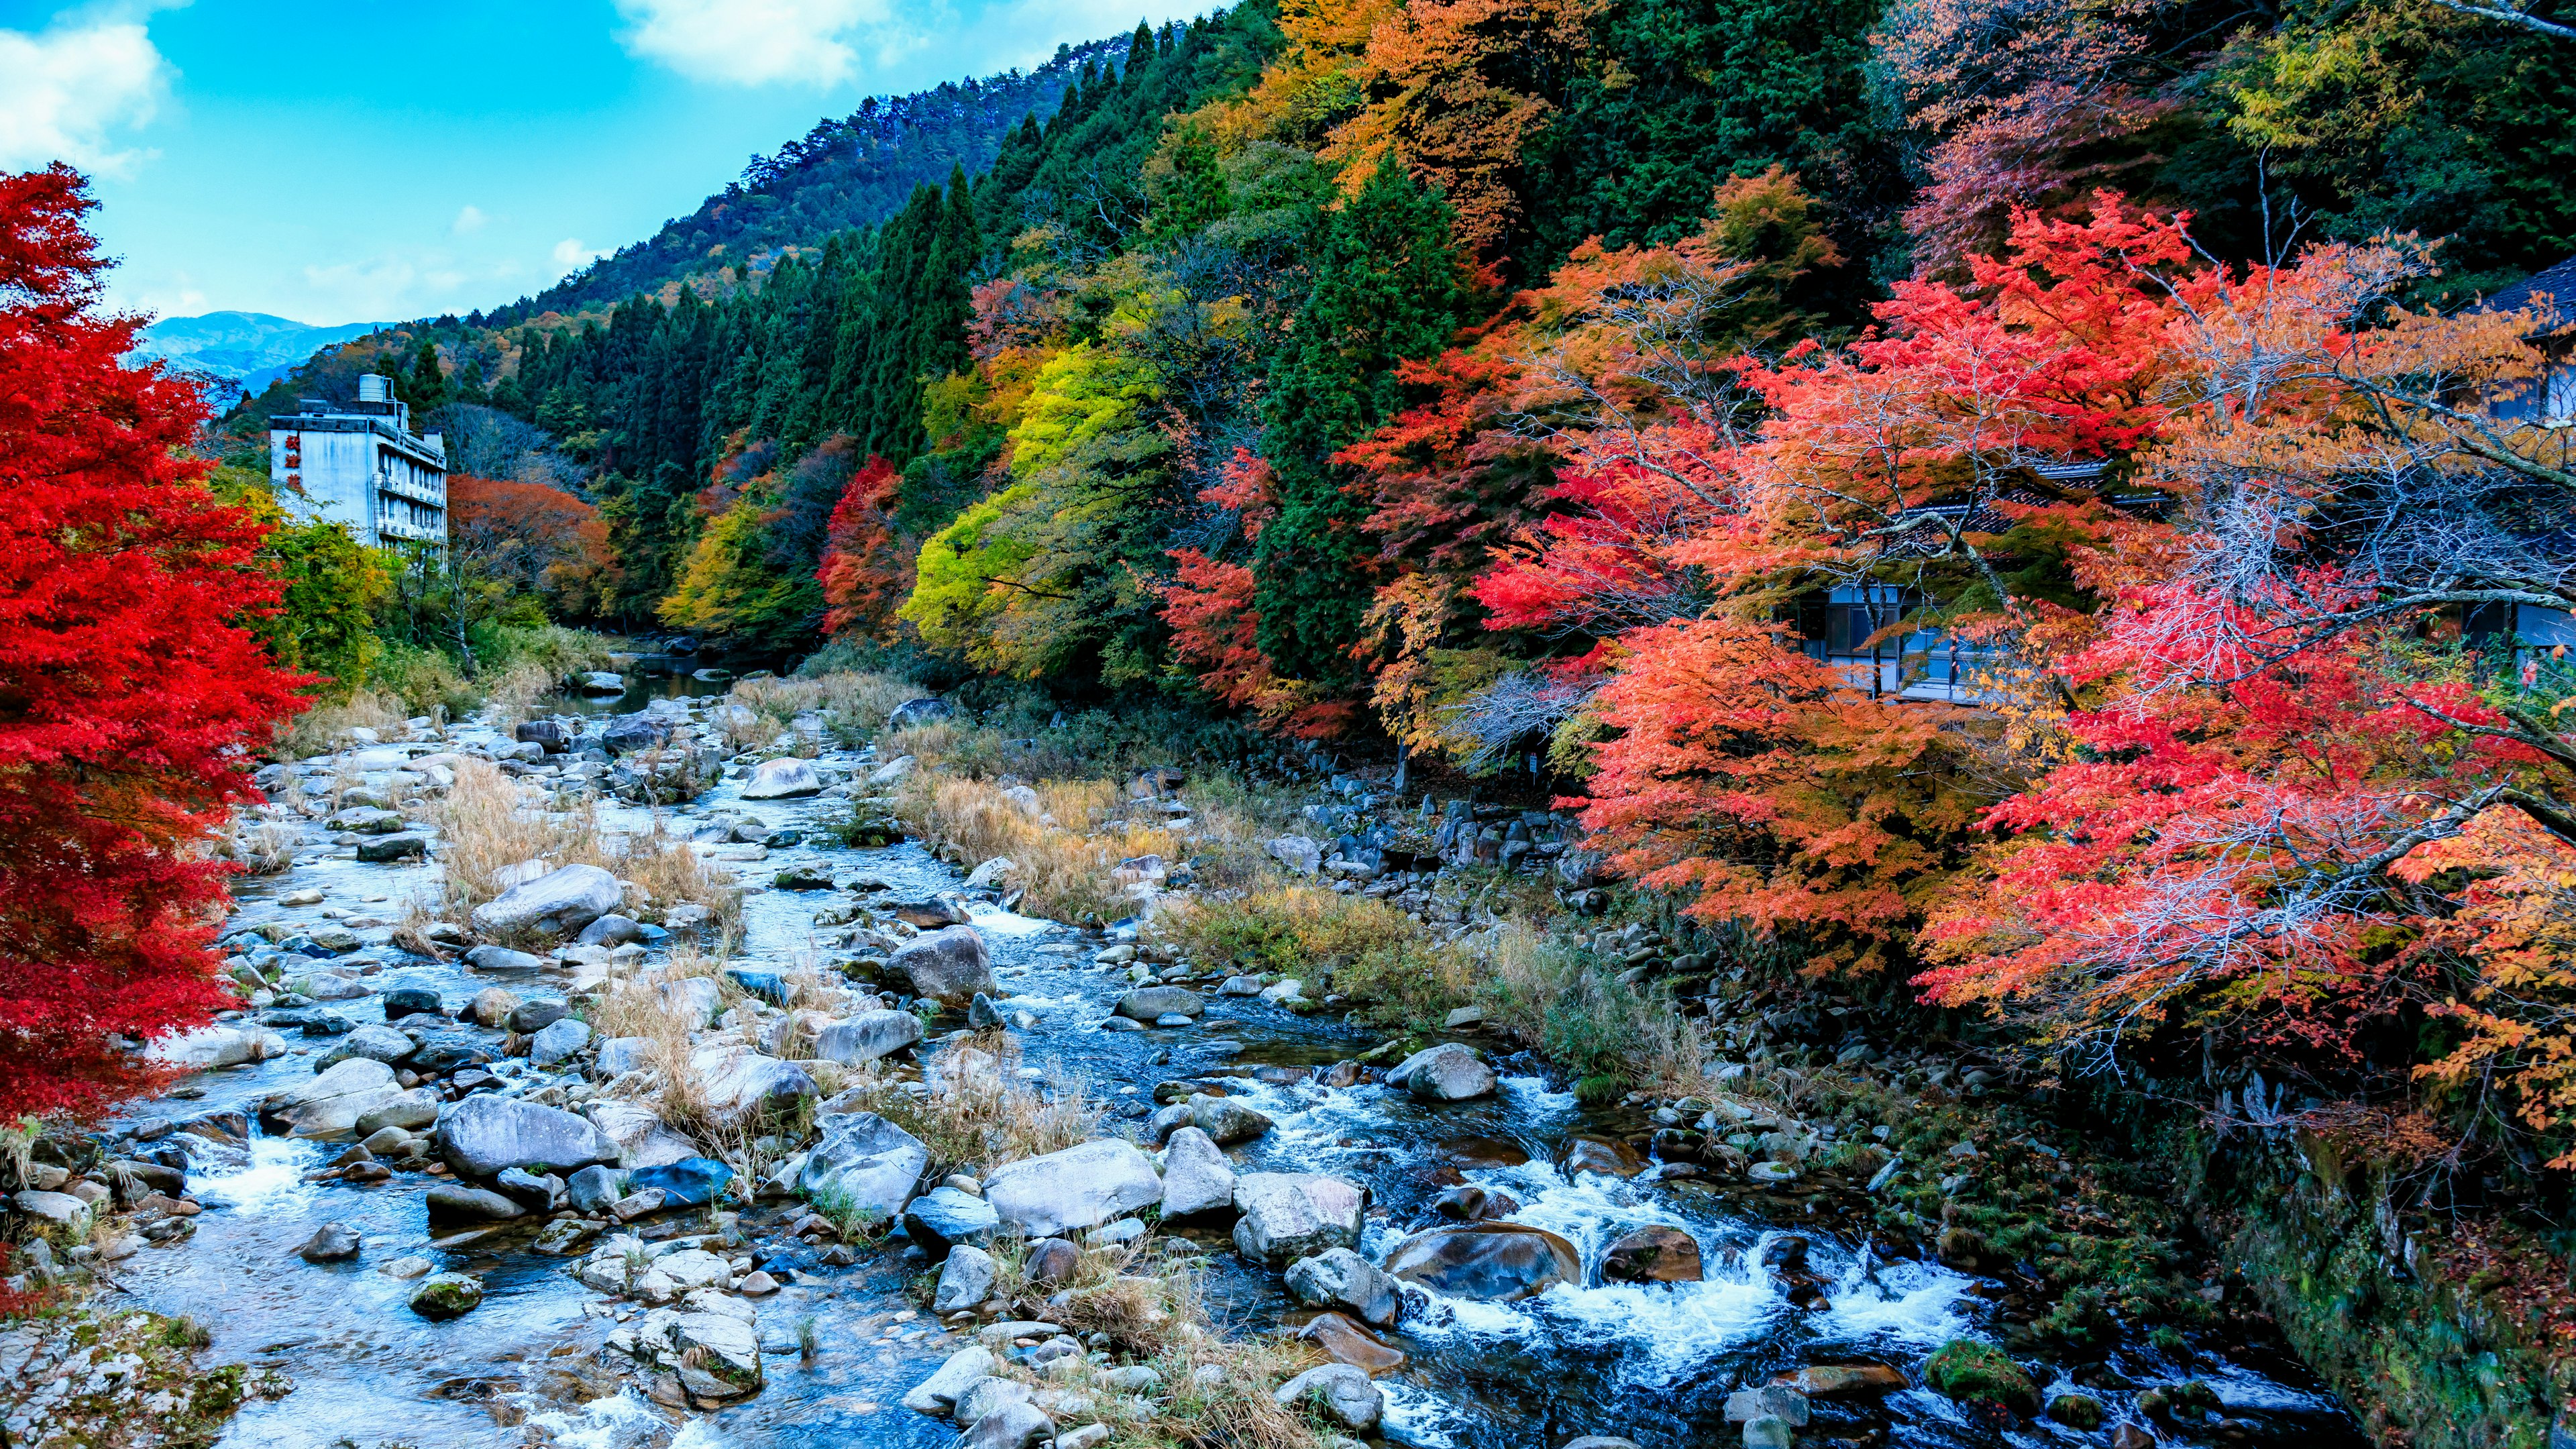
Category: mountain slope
[851,172]
[247,349]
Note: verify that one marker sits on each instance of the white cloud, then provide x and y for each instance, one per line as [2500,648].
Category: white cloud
[572,253]
[759,42]
[471,218]
[67,91]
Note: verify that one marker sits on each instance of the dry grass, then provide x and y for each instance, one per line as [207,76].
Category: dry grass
[325,727]
[638,1006]
[514,694]
[259,847]
[488,823]
[854,705]
[1064,868]
[1569,1005]
[981,1114]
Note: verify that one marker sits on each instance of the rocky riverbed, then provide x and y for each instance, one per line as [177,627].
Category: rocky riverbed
[423,1195]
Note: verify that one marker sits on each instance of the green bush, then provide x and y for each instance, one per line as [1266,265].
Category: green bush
[1975,1372]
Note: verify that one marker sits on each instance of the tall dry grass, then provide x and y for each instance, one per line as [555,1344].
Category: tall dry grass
[488,823]
[1065,867]
[325,727]
[1568,1004]
[980,1113]
[854,705]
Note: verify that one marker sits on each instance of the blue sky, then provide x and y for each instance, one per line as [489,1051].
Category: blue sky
[364,160]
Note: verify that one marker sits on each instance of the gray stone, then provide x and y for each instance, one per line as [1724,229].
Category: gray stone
[1450,1072]
[987,1394]
[209,1047]
[1225,1120]
[553,1043]
[611,930]
[693,997]
[1080,1187]
[948,965]
[1767,1432]
[333,1101]
[471,1204]
[782,779]
[913,713]
[941,1219]
[592,1189]
[965,1280]
[622,1054]
[530,1017]
[740,1085]
[938,1393]
[1011,1426]
[58,1208]
[502,961]
[1292,1215]
[485,1134]
[1298,853]
[1486,1262]
[1343,1393]
[385,849]
[643,1139]
[558,902]
[1777,1401]
[330,1243]
[369,1040]
[867,1036]
[865,1159]
[1146,1003]
[406,1110]
[1342,1280]
[1196,1176]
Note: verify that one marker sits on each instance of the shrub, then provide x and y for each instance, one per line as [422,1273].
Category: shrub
[1568,1004]
[1292,930]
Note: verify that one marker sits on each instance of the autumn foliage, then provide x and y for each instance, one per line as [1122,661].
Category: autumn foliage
[865,571]
[130,691]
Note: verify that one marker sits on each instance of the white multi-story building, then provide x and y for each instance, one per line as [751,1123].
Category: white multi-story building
[362,465]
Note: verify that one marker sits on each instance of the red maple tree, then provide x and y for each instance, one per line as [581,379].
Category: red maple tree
[866,571]
[130,695]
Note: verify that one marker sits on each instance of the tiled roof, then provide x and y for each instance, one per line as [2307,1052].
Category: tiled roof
[2557,283]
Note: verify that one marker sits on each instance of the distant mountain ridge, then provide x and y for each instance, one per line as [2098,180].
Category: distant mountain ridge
[247,349]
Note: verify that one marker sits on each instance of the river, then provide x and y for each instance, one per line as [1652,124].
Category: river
[1652,1363]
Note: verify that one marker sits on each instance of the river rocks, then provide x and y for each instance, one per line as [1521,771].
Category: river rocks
[385,849]
[530,1017]
[693,999]
[1343,1341]
[1653,1255]
[209,1047]
[1775,1401]
[2076,1411]
[1449,1072]
[937,1394]
[537,1192]
[782,779]
[330,1243]
[631,733]
[1225,1120]
[714,1356]
[470,1204]
[376,1043]
[406,1110]
[1010,1424]
[1341,1392]
[1147,1003]
[947,966]
[1196,1176]
[558,1040]
[965,1280]
[1297,852]
[57,1209]
[1487,1262]
[1080,1187]
[611,930]
[485,1133]
[1057,1260]
[405,1001]
[1845,1381]
[502,961]
[1598,1154]
[1292,1215]
[1472,1204]
[1767,1432]
[740,1085]
[914,713]
[491,1008]
[442,1296]
[690,1182]
[364,820]
[1340,1279]
[592,1189]
[556,903]
[866,1037]
[865,1159]
[333,1101]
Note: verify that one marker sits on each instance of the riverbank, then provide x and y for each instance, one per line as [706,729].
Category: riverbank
[1586,1231]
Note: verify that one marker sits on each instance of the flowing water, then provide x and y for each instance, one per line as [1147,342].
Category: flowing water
[1653,1363]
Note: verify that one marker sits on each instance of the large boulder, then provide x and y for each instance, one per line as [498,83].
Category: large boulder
[947,966]
[1341,1393]
[1196,1176]
[965,1280]
[1653,1255]
[944,1218]
[1487,1262]
[865,1161]
[1449,1072]
[1225,1120]
[407,1110]
[630,733]
[370,1040]
[486,1133]
[1146,1003]
[450,1203]
[1080,1187]
[333,1101]
[1292,1215]
[557,1040]
[209,1047]
[643,1139]
[866,1037]
[740,1084]
[785,779]
[689,1182]
[557,903]
[1342,1280]
[916,712]
[938,1393]
[446,1295]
